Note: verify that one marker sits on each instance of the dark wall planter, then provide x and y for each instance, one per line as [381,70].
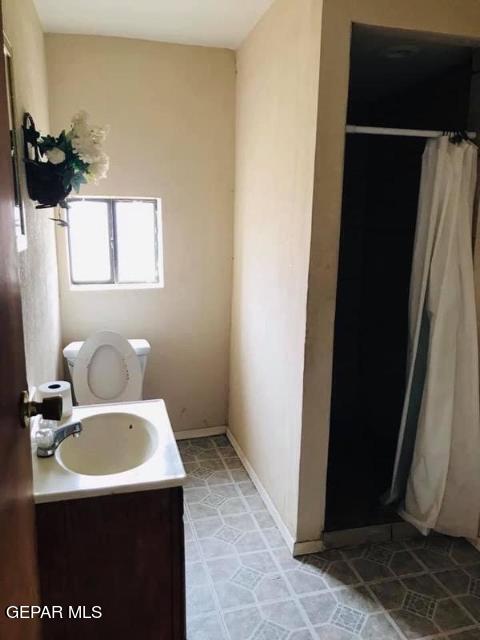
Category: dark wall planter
[44,179]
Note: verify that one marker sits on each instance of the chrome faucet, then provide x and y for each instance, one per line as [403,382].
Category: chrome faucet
[48,445]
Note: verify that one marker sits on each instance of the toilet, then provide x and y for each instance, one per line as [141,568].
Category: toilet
[107,368]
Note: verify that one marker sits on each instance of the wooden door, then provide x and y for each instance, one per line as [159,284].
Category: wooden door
[18,563]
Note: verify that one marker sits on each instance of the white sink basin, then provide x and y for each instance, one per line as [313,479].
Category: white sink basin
[123,448]
[109,443]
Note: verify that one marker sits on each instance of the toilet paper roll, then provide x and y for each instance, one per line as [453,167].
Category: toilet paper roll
[58,388]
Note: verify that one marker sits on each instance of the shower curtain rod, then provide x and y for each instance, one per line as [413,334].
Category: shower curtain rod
[414,133]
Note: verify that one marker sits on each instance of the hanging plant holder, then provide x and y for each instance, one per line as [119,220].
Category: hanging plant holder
[45,181]
[55,165]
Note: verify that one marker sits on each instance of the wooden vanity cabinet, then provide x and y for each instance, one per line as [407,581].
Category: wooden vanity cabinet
[123,553]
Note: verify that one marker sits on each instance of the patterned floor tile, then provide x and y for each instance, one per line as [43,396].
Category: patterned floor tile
[348,618]
[188,531]
[247,488]
[390,593]
[359,598]
[302,634]
[286,614]
[215,548]
[269,622]
[264,520]
[339,573]
[200,600]
[196,574]
[319,608]
[228,534]
[270,631]
[192,551]
[242,521]
[274,538]
[472,604]
[285,560]
[242,624]
[329,632]
[207,527]
[206,628]
[379,627]
[250,541]
[370,571]
[419,604]
[304,582]
[218,477]
[233,596]
[472,634]
[403,563]
[243,583]
[456,581]
[247,578]
[260,561]
[223,568]
[433,560]
[272,587]
[473,570]
[426,585]
[412,626]
[449,616]
[474,587]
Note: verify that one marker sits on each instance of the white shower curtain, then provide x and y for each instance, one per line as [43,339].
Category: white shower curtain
[437,467]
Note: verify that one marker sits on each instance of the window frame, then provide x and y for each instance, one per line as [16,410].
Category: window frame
[113,282]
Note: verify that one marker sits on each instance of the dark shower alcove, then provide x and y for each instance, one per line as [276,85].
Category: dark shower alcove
[380,196]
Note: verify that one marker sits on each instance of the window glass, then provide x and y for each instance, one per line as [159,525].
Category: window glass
[136,240]
[89,235]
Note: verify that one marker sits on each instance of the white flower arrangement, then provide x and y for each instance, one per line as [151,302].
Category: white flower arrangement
[78,156]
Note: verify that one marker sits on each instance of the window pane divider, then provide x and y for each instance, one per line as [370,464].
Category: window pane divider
[113,239]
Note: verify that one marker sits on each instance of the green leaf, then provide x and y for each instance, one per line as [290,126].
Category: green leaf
[77,180]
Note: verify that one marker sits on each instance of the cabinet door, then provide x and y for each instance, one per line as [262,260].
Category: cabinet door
[123,553]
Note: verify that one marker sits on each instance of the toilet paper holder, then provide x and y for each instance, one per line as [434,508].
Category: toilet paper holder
[49,408]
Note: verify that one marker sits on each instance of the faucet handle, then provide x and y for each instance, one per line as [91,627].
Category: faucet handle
[49,408]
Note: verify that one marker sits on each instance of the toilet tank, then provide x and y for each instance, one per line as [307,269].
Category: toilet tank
[140,346]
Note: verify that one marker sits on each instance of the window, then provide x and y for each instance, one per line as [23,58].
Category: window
[114,241]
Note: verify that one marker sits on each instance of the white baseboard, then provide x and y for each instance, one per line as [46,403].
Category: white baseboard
[310,546]
[474,542]
[200,433]
[296,548]
[286,535]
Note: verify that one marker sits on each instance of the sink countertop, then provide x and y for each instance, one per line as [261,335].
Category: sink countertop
[52,482]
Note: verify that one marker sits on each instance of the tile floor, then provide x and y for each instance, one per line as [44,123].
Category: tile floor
[242,583]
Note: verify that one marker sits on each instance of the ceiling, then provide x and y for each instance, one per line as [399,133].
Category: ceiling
[214,23]
[386,60]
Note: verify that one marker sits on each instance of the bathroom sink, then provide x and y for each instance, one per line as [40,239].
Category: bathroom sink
[126,447]
[109,443]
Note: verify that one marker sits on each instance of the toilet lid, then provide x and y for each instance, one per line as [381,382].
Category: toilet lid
[107,369]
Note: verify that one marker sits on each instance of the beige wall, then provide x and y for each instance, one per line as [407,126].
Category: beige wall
[171,112]
[454,17]
[38,264]
[277,86]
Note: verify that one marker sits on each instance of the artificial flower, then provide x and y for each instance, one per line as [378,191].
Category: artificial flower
[55,155]
[80,152]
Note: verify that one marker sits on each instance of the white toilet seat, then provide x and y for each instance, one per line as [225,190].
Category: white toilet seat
[106,370]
